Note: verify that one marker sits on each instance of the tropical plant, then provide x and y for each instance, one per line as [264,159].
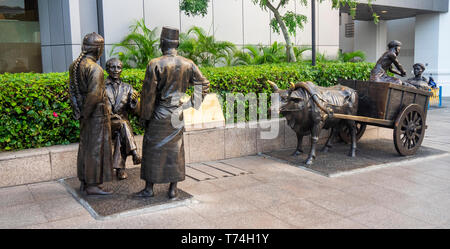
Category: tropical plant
[203,49]
[287,23]
[356,56]
[35,109]
[256,55]
[138,47]
[298,51]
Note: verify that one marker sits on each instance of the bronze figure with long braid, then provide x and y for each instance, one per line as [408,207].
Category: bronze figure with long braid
[89,102]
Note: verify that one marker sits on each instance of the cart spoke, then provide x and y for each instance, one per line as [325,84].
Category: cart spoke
[414,117]
[405,142]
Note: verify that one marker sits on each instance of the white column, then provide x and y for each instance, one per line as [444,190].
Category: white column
[431,47]
[381,36]
[371,38]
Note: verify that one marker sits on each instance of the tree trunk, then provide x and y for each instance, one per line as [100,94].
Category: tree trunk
[289,48]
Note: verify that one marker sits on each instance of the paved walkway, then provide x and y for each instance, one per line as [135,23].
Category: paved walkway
[274,195]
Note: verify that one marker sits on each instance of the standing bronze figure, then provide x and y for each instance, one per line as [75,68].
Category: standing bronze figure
[385,65]
[166,80]
[89,102]
[419,81]
[123,100]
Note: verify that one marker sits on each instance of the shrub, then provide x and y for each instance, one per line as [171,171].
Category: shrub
[35,109]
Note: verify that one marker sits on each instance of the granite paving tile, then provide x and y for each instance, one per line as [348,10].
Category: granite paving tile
[17,195]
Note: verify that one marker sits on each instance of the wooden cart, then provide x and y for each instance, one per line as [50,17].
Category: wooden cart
[403,109]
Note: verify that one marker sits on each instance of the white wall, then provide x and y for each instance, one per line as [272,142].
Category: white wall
[444,53]
[404,30]
[365,39]
[64,23]
[347,44]
[237,21]
[373,39]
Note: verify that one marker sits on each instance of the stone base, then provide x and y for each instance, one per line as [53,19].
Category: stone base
[373,153]
[122,202]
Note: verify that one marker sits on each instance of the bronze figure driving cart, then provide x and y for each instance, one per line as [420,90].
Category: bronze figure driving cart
[388,105]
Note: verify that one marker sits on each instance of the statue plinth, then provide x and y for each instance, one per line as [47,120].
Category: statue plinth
[208,116]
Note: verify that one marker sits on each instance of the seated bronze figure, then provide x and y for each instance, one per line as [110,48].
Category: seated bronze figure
[385,64]
[123,100]
[419,81]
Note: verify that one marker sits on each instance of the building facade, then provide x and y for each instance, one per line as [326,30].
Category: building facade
[61,24]
[421,25]
[46,35]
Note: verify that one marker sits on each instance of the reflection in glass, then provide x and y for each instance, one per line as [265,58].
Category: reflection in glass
[20,42]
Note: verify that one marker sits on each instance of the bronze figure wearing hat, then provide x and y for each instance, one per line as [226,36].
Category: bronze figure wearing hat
[123,101]
[419,81]
[166,80]
[89,103]
[385,64]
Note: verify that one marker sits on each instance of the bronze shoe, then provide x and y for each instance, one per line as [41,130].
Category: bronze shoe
[122,174]
[136,159]
[173,191]
[96,190]
[145,193]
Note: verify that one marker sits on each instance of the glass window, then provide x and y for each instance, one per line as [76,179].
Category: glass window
[20,41]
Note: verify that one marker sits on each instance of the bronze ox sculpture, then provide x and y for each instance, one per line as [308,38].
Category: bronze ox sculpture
[309,108]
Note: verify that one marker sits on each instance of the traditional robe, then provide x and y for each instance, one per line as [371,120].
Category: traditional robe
[122,103]
[166,80]
[94,159]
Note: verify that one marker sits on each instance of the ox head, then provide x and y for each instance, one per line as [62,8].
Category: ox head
[291,100]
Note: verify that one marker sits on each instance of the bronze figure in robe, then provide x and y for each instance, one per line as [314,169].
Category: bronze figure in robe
[123,100]
[419,81]
[385,64]
[89,103]
[166,80]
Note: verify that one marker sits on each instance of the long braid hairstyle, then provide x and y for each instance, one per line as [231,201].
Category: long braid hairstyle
[75,86]
[91,44]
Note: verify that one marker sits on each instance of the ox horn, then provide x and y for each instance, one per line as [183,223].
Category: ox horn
[292,86]
[275,87]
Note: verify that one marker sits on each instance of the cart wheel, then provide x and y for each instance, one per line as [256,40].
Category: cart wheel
[347,137]
[409,130]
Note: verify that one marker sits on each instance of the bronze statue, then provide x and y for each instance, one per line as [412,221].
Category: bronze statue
[309,108]
[89,103]
[385,65]
[419,81]
[166,80]
[123,100]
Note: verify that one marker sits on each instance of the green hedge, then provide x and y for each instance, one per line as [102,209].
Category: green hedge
[35,108]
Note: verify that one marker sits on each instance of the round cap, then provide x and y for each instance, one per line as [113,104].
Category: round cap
[394,44]
[419,65]
[170,34]
[93,39]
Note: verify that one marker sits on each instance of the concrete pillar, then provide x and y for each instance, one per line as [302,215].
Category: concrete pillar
[431,47]
[63,23]
[371,38]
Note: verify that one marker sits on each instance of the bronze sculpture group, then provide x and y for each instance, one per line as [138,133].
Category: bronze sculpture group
[385,65]
[102,107]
